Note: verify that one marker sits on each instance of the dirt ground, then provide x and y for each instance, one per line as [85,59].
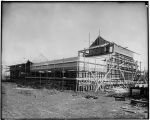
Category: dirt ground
[30,103]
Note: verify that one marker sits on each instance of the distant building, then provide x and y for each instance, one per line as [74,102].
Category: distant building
[19,71]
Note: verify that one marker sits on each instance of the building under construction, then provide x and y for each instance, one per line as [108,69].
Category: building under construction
[103,64]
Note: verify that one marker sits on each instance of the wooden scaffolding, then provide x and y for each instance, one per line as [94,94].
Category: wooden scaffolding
[109,70]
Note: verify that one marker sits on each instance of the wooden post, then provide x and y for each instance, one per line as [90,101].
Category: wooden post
[54,69]
[26,73]
[40,78]
[76,85]
[47,77]
[77,73]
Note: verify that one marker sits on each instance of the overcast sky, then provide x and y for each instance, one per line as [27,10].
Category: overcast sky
[58,30]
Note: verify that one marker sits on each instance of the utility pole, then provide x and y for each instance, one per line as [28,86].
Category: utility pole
[98,37]
[89,39]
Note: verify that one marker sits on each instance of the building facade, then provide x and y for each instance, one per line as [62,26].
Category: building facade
[103,64]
